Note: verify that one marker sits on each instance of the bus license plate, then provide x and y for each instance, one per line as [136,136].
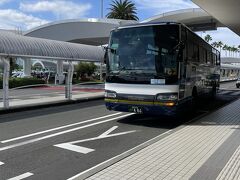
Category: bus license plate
[136,109]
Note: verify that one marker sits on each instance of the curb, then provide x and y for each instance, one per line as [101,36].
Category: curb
[48,104]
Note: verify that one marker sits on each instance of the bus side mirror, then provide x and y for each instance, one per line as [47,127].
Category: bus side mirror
[105,57]
[182,45]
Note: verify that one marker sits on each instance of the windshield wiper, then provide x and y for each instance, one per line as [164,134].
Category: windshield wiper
[160,76]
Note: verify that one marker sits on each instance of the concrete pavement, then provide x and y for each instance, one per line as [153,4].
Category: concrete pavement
[52,95]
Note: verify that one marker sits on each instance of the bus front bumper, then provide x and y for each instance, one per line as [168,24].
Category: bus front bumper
[151,108]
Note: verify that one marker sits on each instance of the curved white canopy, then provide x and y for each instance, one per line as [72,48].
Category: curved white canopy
[15,45]
[91,31]
[195,18]
[226,11]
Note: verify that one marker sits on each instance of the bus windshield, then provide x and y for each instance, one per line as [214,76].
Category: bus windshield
[146,52]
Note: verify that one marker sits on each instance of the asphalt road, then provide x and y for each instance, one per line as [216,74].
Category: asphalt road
[60,142]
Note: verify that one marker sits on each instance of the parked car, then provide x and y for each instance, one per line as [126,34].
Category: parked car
[238,83]
[18,74]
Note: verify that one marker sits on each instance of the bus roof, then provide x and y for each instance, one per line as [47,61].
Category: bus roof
[149,24]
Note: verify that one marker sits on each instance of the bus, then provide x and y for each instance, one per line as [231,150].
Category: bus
[158,68]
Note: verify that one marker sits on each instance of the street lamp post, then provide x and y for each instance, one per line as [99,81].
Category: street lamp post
[101,64]
[101,8]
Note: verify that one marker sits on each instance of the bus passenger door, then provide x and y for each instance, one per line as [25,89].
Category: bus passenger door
[182,84]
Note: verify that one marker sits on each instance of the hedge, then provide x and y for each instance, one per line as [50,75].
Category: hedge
[18,82]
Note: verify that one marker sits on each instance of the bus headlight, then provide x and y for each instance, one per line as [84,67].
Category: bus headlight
[167,97]
[110,94]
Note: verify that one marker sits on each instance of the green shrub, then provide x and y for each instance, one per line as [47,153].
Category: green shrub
[84,68]
[18,82]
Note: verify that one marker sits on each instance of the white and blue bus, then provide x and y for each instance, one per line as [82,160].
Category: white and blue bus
[158,68]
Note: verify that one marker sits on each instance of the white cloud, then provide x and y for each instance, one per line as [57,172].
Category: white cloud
[61,8]
[12,19]
[161,6]
[4,1]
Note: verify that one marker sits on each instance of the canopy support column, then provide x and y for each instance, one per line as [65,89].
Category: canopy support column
[6,66]
[101,76]
[27,67]
[68,89]
[59,78]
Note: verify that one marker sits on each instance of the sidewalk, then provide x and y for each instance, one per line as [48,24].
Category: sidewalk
[49,96]
[208,148]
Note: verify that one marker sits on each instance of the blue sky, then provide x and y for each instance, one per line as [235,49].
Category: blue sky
[27,14]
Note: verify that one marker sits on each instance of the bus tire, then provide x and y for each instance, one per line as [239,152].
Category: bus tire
[194,98]
[214,92]
[194,93]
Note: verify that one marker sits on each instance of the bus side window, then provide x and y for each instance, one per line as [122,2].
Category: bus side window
[218,59]
[202,55]
[209,57]
[206,55]
[214,59]
[190,51]
[195,53]
[184,41]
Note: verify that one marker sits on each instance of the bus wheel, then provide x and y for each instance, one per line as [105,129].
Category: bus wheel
[214,92]
[194,93]
[194,98]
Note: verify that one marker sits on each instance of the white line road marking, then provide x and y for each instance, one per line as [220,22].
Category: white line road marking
[57,128]
[75,148]
[102,137]
[108,131]
[22,176]
[60,133]
[80,149]
[1,163]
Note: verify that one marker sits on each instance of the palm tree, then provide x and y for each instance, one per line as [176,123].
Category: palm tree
[229,50]
[214,44]
[220,45]
[235,50]
[122,9]
[239,49]
[225,48]
[208,38]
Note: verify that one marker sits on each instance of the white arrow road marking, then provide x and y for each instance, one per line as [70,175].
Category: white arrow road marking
[58,128]
[108,131]
[62,132]
[70,145]
[1,163]
[75,148]
[22,176]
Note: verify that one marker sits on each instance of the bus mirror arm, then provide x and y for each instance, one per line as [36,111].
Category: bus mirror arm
[105,57]
[179,46]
